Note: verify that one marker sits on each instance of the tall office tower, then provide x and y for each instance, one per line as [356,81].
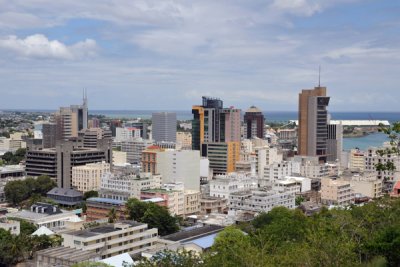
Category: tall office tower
[334,142]
[164,126]
[254,123]
[313,116]
[49,131]
[213,123]
[216,133]
[70,120]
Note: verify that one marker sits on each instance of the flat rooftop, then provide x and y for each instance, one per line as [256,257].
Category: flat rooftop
[194,233]
[68,254]
[104,229]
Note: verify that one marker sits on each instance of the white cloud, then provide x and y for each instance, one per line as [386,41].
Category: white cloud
[39,46]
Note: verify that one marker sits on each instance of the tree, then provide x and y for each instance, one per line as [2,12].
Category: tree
[136,208]
[44,184]
[159,217]
[152,214]
[16,192]
[387,244]
[168,258]
[90,194]
[112,216]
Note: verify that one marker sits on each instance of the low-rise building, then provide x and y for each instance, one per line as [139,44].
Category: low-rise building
[192,202]
[367,184]
[224,185]
[336,192]
[10,225]
[88,177]
[122,186]
[66,197]
[63,256]
[357,162]
[293,184]
[99,208]
[44,214]
[100,242]
[7,174]
[213,205]
[260,201]
[173,196]
[113,239]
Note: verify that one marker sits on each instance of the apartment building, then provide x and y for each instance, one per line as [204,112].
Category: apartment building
[367,184]
[192,202]
[357,161]
[210,205]
[276,171]
[223,185]
[173,196]
[88,177]
[260,201]
[113,239]
[122,186]
[336,192]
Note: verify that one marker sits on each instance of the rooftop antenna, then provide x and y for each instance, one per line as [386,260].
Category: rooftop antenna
[319,76]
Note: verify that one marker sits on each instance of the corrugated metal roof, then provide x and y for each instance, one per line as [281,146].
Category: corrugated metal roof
[204,242]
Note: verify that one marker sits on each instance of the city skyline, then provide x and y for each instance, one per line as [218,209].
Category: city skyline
[127,54]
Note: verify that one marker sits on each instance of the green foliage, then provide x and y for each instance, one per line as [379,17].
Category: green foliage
[112,216]
[153,215]
[169,258]
[299,200]
[358,236]
[91,264]
[90,194]
[10,158]
[18,191]
[14,249]
[136,208]
[393,133]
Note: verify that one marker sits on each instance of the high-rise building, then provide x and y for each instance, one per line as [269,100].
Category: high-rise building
[49,131]
[70,120]
[313,116]
[213,123]
[164,126]
[216,133]
[222,156]
[334,142]
[253,123]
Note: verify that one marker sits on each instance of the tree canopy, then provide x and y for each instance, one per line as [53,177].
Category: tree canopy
[358,236]
[20,190]
[155,216]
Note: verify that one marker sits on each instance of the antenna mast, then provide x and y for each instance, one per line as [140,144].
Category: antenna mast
[319,76]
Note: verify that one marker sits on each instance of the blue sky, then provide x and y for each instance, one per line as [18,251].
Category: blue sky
[160,55]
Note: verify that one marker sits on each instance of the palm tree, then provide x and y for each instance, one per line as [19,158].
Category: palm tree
[112,216]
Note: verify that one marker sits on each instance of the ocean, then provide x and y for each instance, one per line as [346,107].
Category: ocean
[271,116]
[376,139]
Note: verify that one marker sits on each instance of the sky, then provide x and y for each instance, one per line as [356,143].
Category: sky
[165,55]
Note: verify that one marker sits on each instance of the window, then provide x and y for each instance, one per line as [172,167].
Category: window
[77,242]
